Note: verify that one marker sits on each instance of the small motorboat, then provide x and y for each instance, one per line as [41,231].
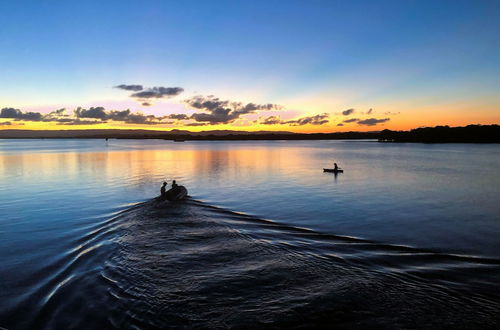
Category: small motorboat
[176,194]
[332,170]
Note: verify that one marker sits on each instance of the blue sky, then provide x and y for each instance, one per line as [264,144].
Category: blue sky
[310,56]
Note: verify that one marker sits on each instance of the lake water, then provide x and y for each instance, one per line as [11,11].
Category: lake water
[407,236]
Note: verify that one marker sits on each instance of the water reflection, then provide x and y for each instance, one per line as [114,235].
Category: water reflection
[149,165]
[404,194]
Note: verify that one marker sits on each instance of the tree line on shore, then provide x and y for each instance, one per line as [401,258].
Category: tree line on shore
[438,134]
[445,134]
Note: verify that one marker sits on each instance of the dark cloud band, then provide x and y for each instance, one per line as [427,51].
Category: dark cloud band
[145,95]
[158,93]
[134,88]
[320,119]
[352,120]
[81,116]
[19,115]
[372,121]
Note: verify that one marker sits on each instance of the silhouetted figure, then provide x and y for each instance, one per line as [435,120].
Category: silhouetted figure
[174,184]
[163,190]
[335,167]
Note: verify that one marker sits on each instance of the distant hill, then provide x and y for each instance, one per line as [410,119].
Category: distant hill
[91,133]
[117,133]
[180,135]
[438,134]
[445,134]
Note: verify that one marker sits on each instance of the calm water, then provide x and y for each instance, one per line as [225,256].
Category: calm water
[408,236]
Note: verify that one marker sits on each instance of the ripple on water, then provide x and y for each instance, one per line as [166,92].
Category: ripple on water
[185,265]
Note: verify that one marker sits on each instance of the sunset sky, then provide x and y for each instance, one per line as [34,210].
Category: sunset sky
[302,66]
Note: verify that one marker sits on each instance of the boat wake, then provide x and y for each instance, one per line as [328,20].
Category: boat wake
[189,264]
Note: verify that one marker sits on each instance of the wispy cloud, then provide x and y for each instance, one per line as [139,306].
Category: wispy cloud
[312,120]
[364,122]
[320,119]
[271,120]
[352,120]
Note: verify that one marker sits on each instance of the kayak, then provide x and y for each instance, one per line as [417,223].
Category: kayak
[176,194]
[331,170]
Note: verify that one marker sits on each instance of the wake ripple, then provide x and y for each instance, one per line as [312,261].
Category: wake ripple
[183,265]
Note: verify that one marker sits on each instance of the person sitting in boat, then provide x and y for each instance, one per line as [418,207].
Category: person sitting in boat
[163,190]
[335,167]
[174,184]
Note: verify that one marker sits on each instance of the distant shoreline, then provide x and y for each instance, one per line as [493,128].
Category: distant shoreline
[438,134]
[178,135]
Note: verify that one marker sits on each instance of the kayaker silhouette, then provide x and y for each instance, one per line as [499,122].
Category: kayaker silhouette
[335,167]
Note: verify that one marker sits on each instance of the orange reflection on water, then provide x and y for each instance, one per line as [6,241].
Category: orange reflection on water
[151,165]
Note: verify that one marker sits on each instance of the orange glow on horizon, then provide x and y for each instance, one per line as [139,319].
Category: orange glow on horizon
[424,116]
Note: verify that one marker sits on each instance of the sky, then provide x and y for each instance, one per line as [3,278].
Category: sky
[301,66]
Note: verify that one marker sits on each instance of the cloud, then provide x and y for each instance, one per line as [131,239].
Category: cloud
[134,88]
[365,122]
[312,120]
[348,112]
[271,120]
[320,119]
[217,111]
[369,111]
[196,124]
[125,116]
[19,115]
[6,123]
[90,116]
[340,124]
[388,113]
[372,121]
[179,116]
[145,95]
[59,115]
[139,118]
[117,115]
[158,93]
[219,116]
[59,112]
[352,120]
[93,112]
